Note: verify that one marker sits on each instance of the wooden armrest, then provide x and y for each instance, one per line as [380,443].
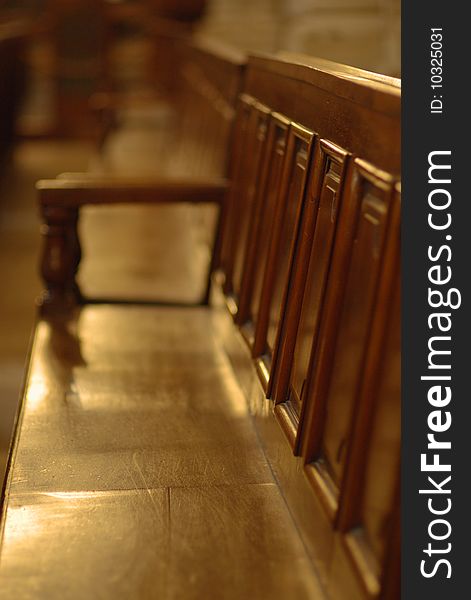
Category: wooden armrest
[60,201]
[83,190]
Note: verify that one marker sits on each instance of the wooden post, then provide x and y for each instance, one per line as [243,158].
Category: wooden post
[61,256]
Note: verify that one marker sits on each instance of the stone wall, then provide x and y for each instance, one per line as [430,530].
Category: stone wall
[363,33]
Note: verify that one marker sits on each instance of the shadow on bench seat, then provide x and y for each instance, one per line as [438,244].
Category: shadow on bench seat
[150,481]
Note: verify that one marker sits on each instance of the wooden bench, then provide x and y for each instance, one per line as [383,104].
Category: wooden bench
[135,469]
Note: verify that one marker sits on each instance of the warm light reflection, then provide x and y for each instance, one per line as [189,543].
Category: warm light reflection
[37,391]
[78,495]
[38,377]
[24,523]
[235,398]
[31,521]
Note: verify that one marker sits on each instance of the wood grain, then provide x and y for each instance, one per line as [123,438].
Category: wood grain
[151,462]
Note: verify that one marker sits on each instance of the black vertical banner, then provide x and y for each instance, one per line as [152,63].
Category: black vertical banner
[436,258]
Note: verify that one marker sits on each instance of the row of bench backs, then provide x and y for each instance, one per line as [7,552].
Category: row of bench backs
[310,256]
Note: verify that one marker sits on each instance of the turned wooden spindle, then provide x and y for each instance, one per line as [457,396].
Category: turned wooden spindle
[61,256]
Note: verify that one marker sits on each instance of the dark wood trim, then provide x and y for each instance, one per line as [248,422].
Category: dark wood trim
[81,191]
[377,92]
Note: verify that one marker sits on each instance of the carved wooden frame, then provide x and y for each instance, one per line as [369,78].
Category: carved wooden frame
[325,155]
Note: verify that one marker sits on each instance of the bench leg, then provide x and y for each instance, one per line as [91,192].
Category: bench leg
[215,257]
[60,258]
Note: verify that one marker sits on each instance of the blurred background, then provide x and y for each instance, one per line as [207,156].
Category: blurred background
[65,63]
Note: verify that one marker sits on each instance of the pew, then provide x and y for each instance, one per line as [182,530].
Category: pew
[135,434]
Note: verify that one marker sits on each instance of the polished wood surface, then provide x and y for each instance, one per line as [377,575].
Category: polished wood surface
[304,304]
[333,106]
[79,191]
[150,463]
[19,251]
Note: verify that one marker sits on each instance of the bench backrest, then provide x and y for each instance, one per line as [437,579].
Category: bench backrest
[209,82]
[310,254]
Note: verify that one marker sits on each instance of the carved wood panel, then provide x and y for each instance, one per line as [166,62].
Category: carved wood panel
[309,270]
[370,489]
[287,216]
[262,226]
[247,194]
[229,217]
[339,352]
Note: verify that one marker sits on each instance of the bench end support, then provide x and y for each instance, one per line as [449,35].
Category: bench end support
[60,257]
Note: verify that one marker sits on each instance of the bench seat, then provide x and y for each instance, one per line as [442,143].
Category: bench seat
[151,476]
